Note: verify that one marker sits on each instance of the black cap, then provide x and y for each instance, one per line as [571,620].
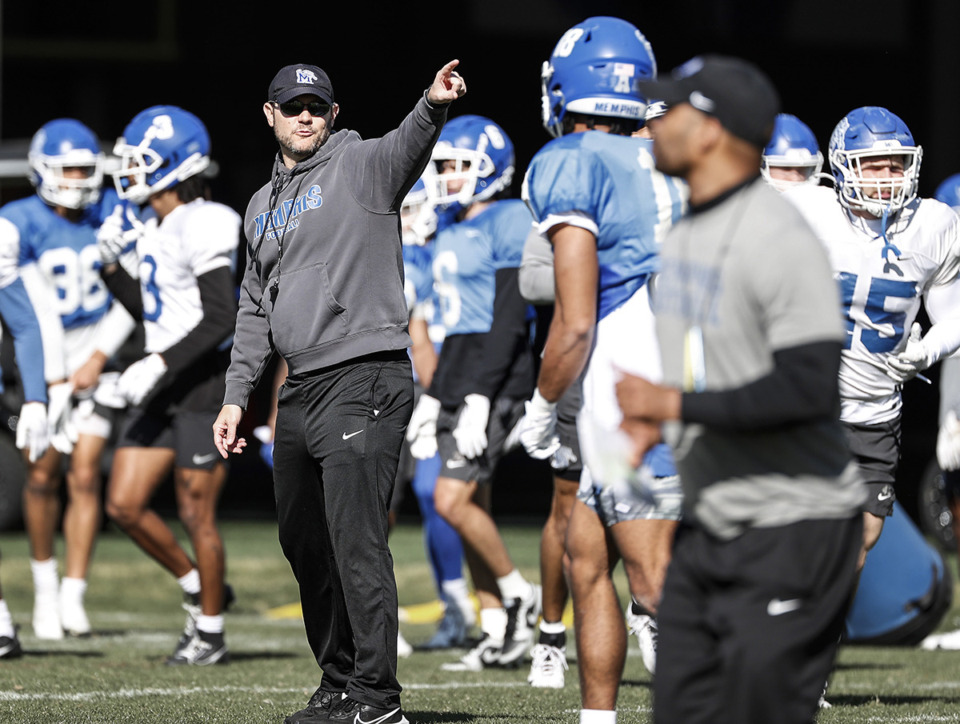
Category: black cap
[734,91]
[298,80]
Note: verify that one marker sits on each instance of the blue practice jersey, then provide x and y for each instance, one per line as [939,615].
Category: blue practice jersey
[608,185]
[467,257]
[486,350]
[66,253]
[417,274]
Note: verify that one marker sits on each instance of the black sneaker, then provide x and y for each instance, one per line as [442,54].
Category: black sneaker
[10,647]
[317,709]
[350,710]
[204,649]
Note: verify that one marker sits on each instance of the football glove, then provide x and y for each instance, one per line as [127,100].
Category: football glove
[471,430]
[422,430]
[538,427]
[914,358]
[112,238]
[948,443]
[60,429]
[33,434]
[139,379]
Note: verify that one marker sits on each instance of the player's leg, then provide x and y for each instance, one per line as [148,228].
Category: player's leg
[41,512]
[598,619]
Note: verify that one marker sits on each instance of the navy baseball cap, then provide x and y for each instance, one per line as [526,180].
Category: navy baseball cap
[734,91]
[297,80]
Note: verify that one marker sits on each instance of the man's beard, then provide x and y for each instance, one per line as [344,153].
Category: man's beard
[300,153]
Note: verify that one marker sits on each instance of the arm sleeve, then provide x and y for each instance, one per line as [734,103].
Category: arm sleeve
[117,327]
[217,300]
[252,342]
[20,317]
[802,387]
[501,345]
[42,298]
[126,289]
[942,303]
[536,269]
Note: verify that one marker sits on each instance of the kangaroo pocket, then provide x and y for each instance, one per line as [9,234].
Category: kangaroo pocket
[305,313]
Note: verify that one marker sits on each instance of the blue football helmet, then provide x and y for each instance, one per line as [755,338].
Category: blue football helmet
[949,191]
[159,148]
[478,154]
[66,144]
[418,219]
[792,146]
[595,69]
[867,133]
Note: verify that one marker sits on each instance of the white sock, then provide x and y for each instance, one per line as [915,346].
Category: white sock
[190,583]
[553,628]
[458,592]
[46,580]
[73,590]
[493,622]
[6,622]
[597,716]
[210,624]
[513,585]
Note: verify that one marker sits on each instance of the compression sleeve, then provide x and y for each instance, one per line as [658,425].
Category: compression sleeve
[125,288]
[218,301]
[802,387]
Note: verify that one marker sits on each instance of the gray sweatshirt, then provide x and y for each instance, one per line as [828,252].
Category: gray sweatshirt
[324,276]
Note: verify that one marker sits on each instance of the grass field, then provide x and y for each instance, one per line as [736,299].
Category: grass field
[118,676]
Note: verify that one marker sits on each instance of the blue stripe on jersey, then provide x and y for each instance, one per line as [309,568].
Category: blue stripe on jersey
[467,256]
[66,253]
[612,180]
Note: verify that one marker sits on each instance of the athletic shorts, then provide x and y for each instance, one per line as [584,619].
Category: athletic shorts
[188,433]
[876,448]
[504,415]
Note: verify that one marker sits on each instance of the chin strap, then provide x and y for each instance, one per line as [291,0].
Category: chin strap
[888,245]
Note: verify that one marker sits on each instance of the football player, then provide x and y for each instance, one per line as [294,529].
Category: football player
[890,251]
[483,374]
[55,232]
[793,156]
[187,301]
[597,197]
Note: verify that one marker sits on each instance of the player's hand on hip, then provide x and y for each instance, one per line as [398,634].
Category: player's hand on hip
[225,431]
[139,379]
[537,428]
[471,430]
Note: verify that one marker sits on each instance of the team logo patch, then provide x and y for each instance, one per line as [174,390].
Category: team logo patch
[307,77]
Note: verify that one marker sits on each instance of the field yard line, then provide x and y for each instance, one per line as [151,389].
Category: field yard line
[13,696]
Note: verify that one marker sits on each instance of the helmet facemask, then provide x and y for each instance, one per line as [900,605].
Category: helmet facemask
[876,196]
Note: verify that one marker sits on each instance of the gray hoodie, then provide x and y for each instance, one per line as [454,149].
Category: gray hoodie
[324,276]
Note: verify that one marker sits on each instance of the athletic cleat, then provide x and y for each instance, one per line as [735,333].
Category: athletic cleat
[73,618]
[191,604]
[404,649]
[549,663]
[203,650]
[522,615]
[452,631]
[46,618]
[822,701]
[949,641]
[10,647]
[644,627]
[352,711]
[485,653]
[317,709]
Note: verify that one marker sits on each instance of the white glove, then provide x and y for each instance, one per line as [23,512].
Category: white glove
[422,430]
[112,238]
[538,427]
[471,430]
[32,431]
[60,429]
[914,358]
[140,378]
[948,443]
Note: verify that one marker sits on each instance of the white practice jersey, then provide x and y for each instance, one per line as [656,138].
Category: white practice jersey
[193,239]
[881,285]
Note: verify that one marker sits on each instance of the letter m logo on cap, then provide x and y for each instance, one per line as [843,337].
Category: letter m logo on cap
[305,76]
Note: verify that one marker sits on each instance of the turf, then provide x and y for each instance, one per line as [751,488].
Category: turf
[117,675]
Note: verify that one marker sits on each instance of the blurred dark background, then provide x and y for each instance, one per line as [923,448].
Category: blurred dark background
[105,61]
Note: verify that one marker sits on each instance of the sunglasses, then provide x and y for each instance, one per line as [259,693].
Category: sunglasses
[295,108]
